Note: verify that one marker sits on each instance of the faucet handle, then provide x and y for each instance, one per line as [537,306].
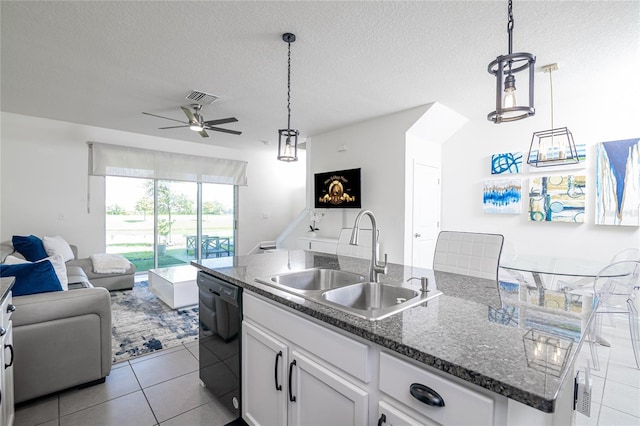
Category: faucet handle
[424,283]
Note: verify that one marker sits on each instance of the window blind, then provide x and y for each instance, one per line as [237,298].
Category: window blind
[118,160]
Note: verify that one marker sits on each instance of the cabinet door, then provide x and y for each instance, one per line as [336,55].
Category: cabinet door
[322,397]
[8,410]
[264,363]
[390,415]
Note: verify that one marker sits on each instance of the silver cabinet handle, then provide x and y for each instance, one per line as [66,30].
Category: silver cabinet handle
[11,308]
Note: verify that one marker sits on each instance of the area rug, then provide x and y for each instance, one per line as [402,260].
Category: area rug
[143,324]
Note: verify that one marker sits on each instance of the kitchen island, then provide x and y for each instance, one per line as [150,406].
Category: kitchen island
[475,334]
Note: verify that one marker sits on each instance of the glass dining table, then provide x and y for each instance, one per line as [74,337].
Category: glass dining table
[563,275]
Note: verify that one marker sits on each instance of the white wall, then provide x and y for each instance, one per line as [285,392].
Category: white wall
[376,146]
[597,114]
[43,188]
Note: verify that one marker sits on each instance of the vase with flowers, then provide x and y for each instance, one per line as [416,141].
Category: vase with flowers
[315,218]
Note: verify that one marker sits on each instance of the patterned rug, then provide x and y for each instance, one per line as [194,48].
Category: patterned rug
[142,323]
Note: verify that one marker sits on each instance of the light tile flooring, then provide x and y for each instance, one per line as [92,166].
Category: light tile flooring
[164,389]
[159,389]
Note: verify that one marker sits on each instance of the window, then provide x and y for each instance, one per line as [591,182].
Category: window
[166,236]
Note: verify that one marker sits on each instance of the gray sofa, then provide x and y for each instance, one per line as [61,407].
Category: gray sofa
[115,281]
[62,339]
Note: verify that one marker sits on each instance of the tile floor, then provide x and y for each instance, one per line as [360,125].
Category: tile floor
[158,389]
[163,389]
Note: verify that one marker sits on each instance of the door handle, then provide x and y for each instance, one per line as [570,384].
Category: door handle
[278,386]
[417,235]
[292,397]
[10,362]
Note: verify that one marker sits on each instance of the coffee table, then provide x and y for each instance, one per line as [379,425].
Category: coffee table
[176,286]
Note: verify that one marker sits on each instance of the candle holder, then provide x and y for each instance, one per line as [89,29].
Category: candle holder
[546,352]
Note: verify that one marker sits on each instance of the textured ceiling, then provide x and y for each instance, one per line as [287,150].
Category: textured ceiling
[103,63]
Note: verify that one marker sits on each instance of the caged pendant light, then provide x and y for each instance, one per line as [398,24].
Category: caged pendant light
[504,68]
[555,146]
[288,138]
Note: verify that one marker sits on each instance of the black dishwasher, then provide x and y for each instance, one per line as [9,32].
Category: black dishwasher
[220,312]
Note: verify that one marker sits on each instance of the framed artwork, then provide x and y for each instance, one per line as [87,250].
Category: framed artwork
[618,183]
[557,198]
[502,196]
[506,163]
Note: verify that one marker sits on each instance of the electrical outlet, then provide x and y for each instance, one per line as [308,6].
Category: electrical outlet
[582,392]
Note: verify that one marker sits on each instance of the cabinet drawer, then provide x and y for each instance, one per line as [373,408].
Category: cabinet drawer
[338,350]
[390,415]
[462,406]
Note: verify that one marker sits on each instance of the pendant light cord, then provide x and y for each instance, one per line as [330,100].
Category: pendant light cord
[289,87]
[551,85]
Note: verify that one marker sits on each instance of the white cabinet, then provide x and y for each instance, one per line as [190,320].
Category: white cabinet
[438,400]
[324,245]
[282,383]
[264,361]
[7,411]
[319,396]
[389,414]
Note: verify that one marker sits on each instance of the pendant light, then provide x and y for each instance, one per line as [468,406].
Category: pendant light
[555,146]
[288,138]
[505,67]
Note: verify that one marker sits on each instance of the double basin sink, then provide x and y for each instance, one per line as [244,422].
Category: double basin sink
[349,292]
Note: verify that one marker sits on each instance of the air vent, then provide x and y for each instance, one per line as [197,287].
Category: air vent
[201,98]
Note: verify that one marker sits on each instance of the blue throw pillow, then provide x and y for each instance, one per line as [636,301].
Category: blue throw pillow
[31,278]
[30,247]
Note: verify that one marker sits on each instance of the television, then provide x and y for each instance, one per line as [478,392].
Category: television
[338,190]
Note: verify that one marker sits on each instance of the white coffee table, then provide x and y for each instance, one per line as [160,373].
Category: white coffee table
[176,286]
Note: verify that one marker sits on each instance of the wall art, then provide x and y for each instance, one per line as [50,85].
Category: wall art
[503,196]
[506,163]
[557,198]
[338,189]
[618,183]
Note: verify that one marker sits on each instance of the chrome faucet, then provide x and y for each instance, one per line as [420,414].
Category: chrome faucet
[374,267]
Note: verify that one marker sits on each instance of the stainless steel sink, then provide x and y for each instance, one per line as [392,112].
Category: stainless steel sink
[312,280]
[349,292]
[374,301]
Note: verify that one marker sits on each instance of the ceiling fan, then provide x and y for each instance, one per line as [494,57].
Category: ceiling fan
[197,123]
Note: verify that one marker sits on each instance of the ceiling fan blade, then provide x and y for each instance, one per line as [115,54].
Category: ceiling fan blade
[203,133]
[166,118]
[220,121]
[219,129]
[172,127]
[189,114]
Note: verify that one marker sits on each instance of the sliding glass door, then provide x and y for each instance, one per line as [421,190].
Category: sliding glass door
[160,223]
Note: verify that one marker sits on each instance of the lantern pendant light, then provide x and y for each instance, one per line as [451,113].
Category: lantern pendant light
[288,138]
[555,146]
[505,68]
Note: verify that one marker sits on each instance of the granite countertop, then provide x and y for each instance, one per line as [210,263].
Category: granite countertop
[5,286]
[474,330]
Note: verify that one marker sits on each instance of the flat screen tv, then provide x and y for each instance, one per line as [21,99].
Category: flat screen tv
[338,190]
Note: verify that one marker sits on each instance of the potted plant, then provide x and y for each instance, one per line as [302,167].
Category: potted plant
[164,230]
[315,218]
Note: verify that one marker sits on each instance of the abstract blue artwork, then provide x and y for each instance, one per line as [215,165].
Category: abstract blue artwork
[618,183]
[557,198]
[506,163]
[502,196]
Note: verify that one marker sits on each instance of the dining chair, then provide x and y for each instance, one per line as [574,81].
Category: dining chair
[616,289]
[468,253]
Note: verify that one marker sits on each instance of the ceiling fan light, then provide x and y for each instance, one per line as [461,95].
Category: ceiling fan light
[196,127]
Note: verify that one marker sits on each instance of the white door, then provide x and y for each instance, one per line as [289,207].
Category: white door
[264,363]
[323,398]
[426,214]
